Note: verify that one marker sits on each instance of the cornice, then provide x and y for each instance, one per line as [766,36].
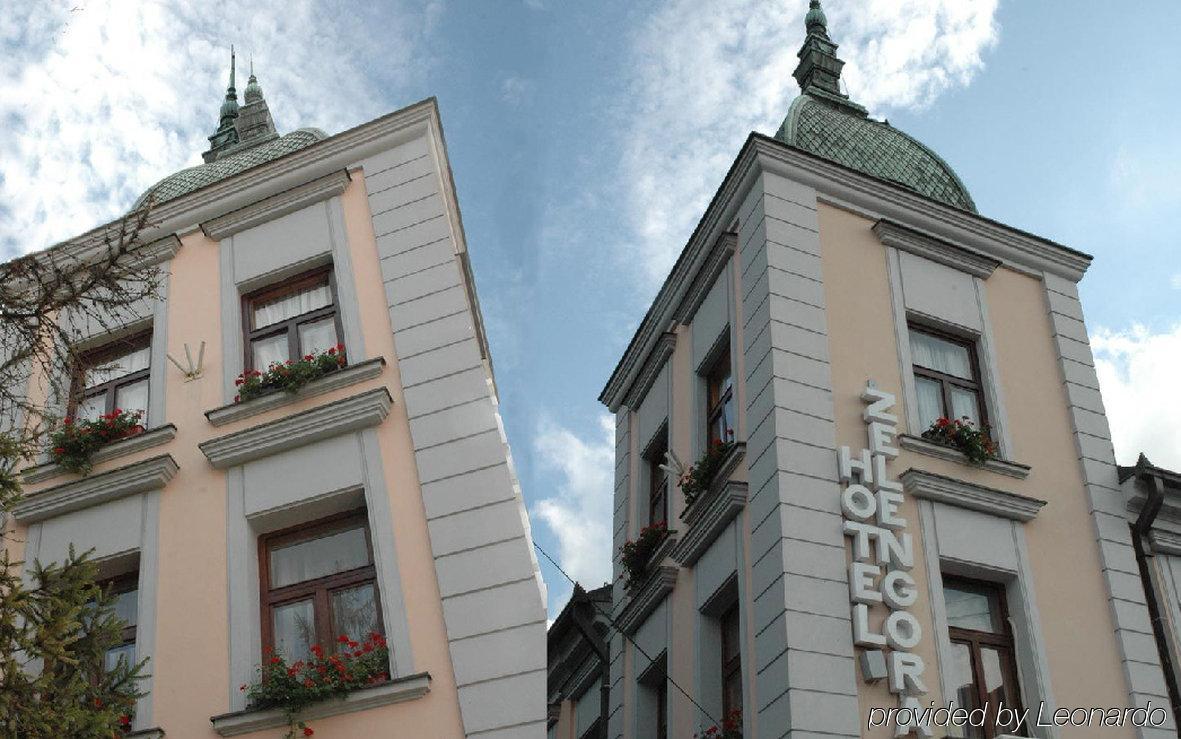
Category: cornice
[957,257]
[645,599]
[353,413]
[656,358]
[121,448]
[150,474]
[707,519]
[962,494]
[350,375]
[715,262]
[276,206]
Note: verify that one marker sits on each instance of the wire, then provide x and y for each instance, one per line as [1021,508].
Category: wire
[631,641]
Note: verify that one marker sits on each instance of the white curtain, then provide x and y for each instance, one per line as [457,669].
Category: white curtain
[120,366]
[939,355]
[289,306]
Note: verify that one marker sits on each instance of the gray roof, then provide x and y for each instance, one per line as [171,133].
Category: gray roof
[194,178]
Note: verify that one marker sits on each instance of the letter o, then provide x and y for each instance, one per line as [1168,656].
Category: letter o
[903,631]
[858,503]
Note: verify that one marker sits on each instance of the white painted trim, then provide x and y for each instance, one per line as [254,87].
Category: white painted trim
[395,691]
[935,596]
[350,375]
[1027,633]
[244,617]
[910,404]
[157,374]
[346,287]
[896,235]
[645,599]
[232,348]
[939,451]
[990,369]
[354,413]
[150,474]
[973,497]
[123,447]
[651,370]
[149,579]
[277,206]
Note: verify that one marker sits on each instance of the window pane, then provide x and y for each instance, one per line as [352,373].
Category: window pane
[996,665]
[125,652]
[133,397]
[295,629]
[963,403]
[970,609]
[960,676]
[317,336]
[120,366]
[930,396]
[268,350]
[326,555]
[354,612]
[940,355]
[291,305]
[126,607]
[91,408]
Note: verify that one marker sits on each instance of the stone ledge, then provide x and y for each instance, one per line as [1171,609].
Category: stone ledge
[397,690]
[950,491]
[332,419]
[641,602]
[146,440]
[350,375]
[153,733]
[276,206]
[712,513]
[931,449]
[140,477]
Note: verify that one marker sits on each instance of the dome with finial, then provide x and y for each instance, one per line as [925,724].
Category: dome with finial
[253,91]
[823,121]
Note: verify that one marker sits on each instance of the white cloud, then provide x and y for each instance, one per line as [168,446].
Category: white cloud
[1137,371]
[579,514]
[513,89]
[1175,281]
[709,73]
[100,103]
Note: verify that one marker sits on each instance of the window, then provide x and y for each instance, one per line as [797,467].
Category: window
[123,593]
[731,663]
[292,320]
[318,583]
[720,401]
[113,377]
[658,480]
[983,667]
[946,377]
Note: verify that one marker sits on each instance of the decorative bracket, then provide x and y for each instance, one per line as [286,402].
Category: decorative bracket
[191,372]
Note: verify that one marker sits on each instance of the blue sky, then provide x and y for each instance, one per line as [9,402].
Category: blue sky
[587,138]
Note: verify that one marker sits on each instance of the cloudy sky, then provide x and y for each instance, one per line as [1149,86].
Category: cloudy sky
[586,139]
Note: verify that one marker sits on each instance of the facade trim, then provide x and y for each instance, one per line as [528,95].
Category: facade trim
[906,239]
[123,447]
[723,249]
[276,206]
[651,370]
[948,490]
[140,477]
[645,599]
[711,517]
[931,449]
[354,413]
[350,375]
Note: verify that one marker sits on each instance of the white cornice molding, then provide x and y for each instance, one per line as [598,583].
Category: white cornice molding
[645,599]
[954,256]
[150,474]
[121,448]
[350,375]
[276,206]
[707,519]
[962,494]
[353,413]
[399,689]
[651,369]
[1165,542]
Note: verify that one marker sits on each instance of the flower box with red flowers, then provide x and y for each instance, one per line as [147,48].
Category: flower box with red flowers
[731,728]
[634,556]
[73,444]
[292,687]
[962,434]
[698,478]
[289,376]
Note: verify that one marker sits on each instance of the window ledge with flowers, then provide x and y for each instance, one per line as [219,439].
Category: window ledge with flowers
[957,440]
[639,555]
[292,695]
[704,480]
[77,446]
[260,393]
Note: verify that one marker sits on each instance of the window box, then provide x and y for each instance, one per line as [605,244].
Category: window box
[397,690]
[939,451]
[130,445]
[651,547]
[725,466]
[344,377]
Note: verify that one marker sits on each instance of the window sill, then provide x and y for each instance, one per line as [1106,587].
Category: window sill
[639,603]
[931,449]
[708,518]
[153,733]
[693,512]
[395,691]
[146,440]
[350,375]
[83,492]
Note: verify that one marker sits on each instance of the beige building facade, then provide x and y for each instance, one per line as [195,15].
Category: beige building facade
[841,571]
[381,497]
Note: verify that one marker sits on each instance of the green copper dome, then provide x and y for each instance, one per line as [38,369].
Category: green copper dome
[823,121]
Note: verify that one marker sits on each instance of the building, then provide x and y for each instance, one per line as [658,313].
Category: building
[380,497]
[836,570]
[576,645]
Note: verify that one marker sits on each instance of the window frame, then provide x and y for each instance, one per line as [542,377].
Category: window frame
[658,479]
[662,707]
[319,590]
[95,357]
[118,585]
[1002,642]
[714,406]
[290,327]
[946,381]
[731,664]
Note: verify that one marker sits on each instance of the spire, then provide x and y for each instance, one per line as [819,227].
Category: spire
[254,122]
[226,134]
[253,91]
[819,70]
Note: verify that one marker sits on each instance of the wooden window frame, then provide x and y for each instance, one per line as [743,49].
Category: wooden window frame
[320,589]
[95,358]
[946,381]
[1002,642]
[715,400]
[290,326]
[658,482]
[731,665]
